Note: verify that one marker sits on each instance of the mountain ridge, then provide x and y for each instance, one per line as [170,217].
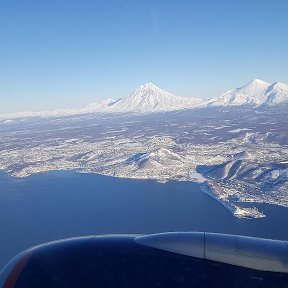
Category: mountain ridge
[256,93]
[148,98]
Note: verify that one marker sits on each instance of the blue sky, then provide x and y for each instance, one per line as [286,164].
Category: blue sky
[68,53]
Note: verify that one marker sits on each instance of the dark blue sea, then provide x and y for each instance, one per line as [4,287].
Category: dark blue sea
[55,205]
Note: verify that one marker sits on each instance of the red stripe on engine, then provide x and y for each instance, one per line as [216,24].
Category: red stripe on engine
[16,271]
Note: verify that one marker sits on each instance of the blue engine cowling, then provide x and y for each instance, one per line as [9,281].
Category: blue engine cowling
[195,259]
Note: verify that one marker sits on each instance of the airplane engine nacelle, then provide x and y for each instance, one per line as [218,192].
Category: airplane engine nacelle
[195,259]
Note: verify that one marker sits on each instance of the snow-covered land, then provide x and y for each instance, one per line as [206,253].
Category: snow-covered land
[238,152]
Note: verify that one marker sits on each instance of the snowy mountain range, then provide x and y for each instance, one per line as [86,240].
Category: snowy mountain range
[256,93]
[149,98]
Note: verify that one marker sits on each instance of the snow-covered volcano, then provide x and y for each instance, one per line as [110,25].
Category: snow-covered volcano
[148,98]
[145,99]
[256,93]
